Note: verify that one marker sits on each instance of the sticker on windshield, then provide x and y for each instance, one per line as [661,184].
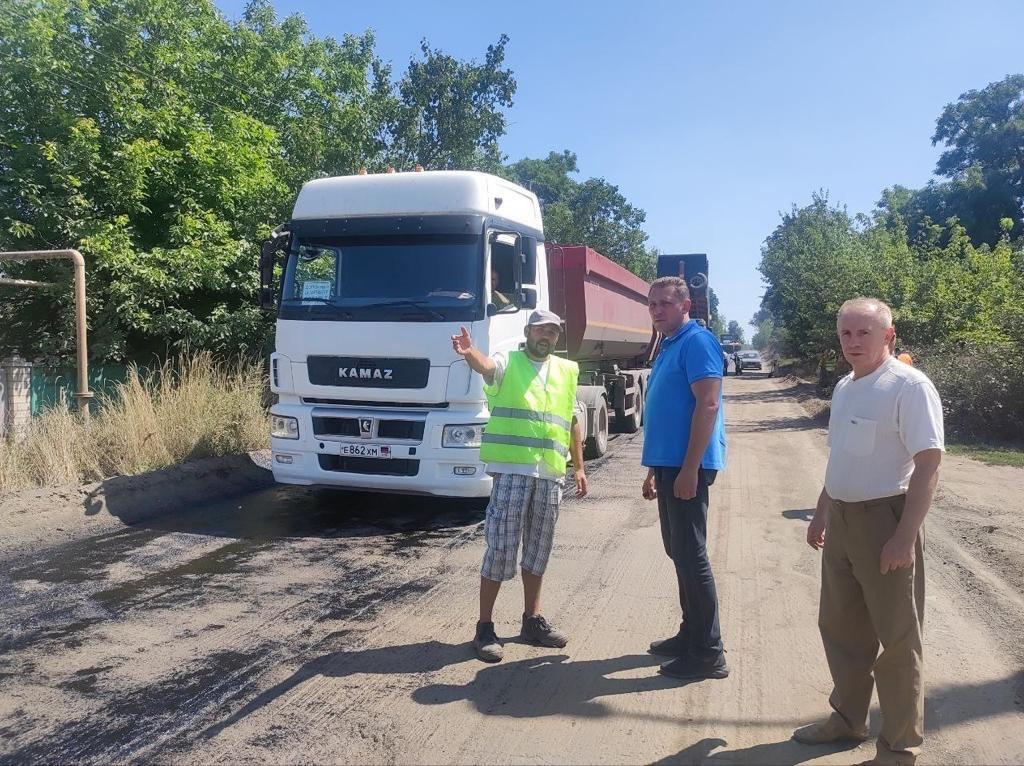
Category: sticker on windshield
[316,290]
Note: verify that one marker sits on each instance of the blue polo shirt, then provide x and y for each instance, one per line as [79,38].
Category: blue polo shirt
[692,354]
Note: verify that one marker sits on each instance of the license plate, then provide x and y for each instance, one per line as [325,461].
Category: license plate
[367,450]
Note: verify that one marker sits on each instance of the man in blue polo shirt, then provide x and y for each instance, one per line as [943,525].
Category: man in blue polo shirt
[684,448]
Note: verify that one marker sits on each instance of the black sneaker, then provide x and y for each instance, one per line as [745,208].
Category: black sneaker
[677,646]
[486,644]
[693,667]
[538,631]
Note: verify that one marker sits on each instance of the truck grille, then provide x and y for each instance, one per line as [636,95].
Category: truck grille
[369,465]
[409,430]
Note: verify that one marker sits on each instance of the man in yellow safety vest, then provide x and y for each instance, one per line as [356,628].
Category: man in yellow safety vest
[528,438]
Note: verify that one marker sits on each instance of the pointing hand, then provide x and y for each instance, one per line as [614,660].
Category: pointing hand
[462,343]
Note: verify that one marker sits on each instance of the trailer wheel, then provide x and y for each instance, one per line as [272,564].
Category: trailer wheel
[597,445]
[631,423]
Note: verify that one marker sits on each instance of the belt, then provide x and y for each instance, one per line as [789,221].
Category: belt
[863,504]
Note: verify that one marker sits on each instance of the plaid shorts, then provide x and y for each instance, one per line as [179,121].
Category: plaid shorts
[520,506]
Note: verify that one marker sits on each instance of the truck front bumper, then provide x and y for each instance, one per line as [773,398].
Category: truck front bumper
[423,467]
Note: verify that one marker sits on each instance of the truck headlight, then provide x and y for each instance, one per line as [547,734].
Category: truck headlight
[462,436]
[282,427]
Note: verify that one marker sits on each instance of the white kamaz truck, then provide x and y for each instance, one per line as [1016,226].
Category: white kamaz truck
[371,278]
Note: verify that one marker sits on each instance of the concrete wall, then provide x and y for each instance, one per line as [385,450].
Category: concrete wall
[15,395]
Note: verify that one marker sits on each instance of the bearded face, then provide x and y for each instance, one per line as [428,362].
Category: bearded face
[541,340]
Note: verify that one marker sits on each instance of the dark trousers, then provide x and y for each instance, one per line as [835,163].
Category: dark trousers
[684,526]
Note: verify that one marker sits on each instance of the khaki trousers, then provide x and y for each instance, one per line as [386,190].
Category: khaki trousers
[862,608]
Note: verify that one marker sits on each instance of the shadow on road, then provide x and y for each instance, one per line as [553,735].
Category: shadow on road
[945,706]
[784,753]
[548,685]
[800,423]
[538,686]
[787,392]
[405,659]
[803,514]
[237,497]
[283,512]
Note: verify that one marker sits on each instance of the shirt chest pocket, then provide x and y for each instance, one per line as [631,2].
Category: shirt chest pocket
[860,436]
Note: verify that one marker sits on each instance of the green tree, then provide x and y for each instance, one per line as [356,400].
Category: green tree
[449,114]
[764,335]
[811,263]
[593,212]
[717,320]
[736,331]
[985,129]
[979,201]
[164,142]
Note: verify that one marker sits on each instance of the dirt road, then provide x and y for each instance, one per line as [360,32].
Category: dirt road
[298,626]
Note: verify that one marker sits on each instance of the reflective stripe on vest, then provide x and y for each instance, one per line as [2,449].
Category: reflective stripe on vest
[544,417]
[530,421]
[526,441]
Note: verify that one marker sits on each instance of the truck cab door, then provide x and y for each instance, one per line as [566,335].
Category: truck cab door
[505,309]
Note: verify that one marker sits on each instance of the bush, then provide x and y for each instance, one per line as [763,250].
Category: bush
[981,385]
[190,408]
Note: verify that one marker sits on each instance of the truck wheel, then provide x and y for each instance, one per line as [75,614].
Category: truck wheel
[597,444]
[631,423]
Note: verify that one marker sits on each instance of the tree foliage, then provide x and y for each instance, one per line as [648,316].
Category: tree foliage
[450,112]
[955,304]
[164,142]
[764,337]
[735,330]
[717,325]
[985,129]
[983,132]
[592,212]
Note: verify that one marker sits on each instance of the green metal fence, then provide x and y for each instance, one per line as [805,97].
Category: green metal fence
[53,385]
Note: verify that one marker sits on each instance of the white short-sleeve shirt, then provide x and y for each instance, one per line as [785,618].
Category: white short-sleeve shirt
[876,426]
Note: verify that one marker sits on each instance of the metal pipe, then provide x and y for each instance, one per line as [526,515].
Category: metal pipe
[83,395]
[23,282]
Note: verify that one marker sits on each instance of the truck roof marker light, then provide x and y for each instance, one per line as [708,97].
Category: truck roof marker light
[419,168]
[391,169]
[362,171]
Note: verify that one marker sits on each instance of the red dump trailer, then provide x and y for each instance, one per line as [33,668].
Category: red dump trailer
[607,332]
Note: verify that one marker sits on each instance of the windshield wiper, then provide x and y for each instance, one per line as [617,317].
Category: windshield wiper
[310,300]
[412,304]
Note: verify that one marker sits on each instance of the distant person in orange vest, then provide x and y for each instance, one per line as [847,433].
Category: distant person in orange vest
[900,354]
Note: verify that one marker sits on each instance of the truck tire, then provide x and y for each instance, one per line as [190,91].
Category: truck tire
[631,423]
[597,445]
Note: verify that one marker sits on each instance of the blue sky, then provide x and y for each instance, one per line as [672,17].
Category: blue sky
[712,116]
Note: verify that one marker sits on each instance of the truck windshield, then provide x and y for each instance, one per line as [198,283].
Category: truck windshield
[424,278]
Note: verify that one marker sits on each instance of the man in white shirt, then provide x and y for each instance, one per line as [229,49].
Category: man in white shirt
[886,440]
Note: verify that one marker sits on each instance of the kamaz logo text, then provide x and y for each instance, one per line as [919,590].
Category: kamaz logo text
[364,373]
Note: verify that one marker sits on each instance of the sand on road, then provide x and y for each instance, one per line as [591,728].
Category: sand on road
[299,626]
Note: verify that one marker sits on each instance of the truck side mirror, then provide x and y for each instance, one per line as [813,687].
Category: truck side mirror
[528,259]
[268,250]
[527,298]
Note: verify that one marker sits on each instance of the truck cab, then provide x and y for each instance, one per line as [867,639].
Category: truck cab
[376,273]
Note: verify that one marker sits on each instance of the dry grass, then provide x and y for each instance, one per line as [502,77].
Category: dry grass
[192,407]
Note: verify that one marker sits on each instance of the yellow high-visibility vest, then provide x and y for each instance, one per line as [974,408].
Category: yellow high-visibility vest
[531,422]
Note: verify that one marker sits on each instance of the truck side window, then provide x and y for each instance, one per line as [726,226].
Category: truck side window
[504,290]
